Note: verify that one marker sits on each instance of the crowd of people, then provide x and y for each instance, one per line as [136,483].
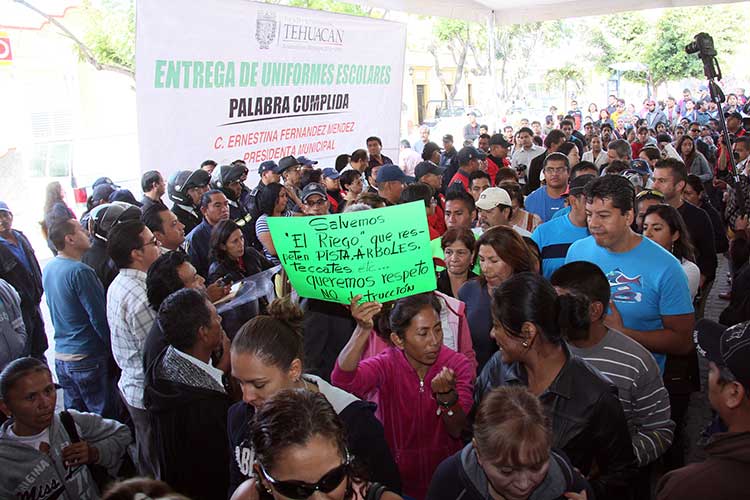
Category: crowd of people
[555,359]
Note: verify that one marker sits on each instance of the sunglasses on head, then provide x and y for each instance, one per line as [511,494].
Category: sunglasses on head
[653,193]
[300,490]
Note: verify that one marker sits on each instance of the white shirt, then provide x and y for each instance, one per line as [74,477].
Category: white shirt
[214,373]
[693,276]
[408,160]
[478,231]
[524,156]
[130,319]
[601,159]
[34,441]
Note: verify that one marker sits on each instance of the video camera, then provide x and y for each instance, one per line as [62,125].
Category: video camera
[703,45]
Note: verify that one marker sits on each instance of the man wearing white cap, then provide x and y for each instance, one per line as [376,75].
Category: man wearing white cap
[495,209]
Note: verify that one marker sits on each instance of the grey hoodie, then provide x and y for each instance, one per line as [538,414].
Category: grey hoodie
[29,474]
[460,477]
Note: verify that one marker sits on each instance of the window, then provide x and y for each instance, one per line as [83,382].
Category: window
[52,150]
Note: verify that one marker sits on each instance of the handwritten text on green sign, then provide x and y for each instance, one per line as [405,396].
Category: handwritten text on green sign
[381,254]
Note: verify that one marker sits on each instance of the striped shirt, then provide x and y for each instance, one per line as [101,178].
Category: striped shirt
[644,399]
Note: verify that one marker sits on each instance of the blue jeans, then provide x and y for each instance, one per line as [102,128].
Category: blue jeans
[88,385]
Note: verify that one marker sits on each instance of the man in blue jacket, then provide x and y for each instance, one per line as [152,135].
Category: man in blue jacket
[19,267]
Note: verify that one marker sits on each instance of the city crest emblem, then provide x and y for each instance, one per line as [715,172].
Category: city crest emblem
[265,29]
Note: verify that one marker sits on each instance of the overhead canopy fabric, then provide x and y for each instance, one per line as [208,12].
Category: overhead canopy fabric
[514,11]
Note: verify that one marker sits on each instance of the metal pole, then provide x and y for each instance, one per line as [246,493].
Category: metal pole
[491,55]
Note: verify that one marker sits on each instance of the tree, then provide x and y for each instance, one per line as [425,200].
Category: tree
[562,76]
[619,38]
[108,49]
[666,56]
[455,36]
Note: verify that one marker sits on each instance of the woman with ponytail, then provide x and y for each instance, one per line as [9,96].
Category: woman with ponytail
[266,357]
[529,323]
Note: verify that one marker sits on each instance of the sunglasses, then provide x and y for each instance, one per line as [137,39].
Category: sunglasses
[300,490]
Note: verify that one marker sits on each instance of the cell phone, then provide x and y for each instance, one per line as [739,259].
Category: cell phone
[224,280]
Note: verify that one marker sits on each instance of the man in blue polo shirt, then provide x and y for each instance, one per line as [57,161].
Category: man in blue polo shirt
[548,199]
[555,236]
[650,296]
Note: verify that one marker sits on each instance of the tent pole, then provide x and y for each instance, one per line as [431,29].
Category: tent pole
[491,56]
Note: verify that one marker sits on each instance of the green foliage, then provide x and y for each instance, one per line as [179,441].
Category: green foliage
[665,56]
[110,32]
[630,37]
[332,6]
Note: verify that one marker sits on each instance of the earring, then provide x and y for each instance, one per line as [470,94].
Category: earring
[525,343]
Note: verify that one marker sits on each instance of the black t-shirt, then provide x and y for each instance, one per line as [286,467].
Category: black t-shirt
[701,233]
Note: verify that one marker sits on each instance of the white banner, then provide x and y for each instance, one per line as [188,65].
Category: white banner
[233,79]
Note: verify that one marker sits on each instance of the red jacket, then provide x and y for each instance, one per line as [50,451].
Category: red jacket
[414,432]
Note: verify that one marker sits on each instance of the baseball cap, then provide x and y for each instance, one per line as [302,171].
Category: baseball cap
[576,185]
[330,173]
[493,197]
[471,113]
[102,192]
[640,166]
[499,140]
[268,165]
[469,153]
[447,138]
[124,195]
[389,172]
[303,160]
[104,180]
[287,162]
[4,207]
[727,347]
[427,167]
[733,114]
[313,188]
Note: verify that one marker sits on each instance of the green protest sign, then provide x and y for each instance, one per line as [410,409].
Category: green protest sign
[381,254]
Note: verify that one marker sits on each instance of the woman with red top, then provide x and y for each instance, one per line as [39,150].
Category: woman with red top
[424,389]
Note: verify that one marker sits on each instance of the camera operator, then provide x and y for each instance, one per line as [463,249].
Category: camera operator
[522,156]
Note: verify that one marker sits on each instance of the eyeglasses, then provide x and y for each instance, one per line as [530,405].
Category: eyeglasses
[152,241]
[300,490]
[318,203]
[649,192]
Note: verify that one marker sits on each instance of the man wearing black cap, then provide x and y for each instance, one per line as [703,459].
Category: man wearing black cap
[289,168]
[315,199]
[269,173]
[391,180]
[208,166]
[19,267]
[468,161]
[428,173]
[498,157]
[725,474]
[185,189]
[448,160]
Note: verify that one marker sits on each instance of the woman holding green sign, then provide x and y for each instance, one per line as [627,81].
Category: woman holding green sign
[423,388]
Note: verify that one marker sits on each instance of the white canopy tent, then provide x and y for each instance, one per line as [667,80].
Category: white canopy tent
[514,11]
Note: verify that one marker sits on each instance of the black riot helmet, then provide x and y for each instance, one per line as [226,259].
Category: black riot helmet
[181,181]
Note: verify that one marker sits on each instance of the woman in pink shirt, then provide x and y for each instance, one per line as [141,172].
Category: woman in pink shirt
[424,389]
